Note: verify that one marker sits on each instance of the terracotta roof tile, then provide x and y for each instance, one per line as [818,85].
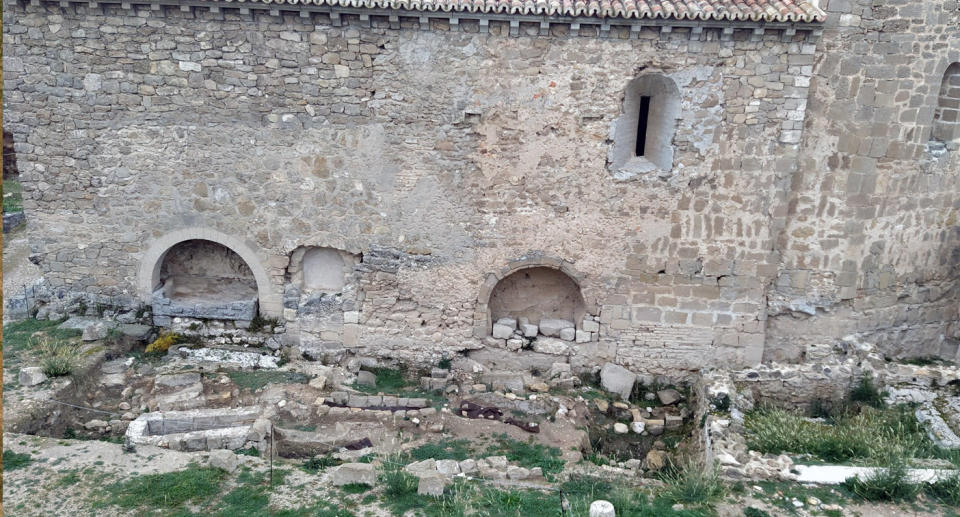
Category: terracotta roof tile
[717,10]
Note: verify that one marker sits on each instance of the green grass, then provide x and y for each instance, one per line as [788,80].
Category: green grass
[865,392]
[69,479]
[12,196]
[527,454]
[256,379]
[887,484]
[388,381]
[355,488]
[164,491]
[864,437]
[947,490]
[15,460]
[17,336]
[443,450]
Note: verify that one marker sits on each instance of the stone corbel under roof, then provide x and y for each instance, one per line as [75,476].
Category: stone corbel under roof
[363,12]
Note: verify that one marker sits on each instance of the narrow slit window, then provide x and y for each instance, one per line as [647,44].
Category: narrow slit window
[642,125]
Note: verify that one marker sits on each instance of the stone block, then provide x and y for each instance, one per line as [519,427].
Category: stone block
[355,473]
[601,508]
[502,331]
[432,485]
[583,336]
[365,378]
[669,396]
[552,327]
[529,330]
[517,473]
[617,379]
[175,380]
[590,326]
[224,460]
[31,376]
[448,467]
[568,334]
[95,331]
[508,322]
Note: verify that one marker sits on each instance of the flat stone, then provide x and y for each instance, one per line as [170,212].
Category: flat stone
[617,379]
[95,331]
[552,327]
[508,322]
[318,382]
[553,346]
[468,466]
[673,421]
[654,427]
[497,462]
[224,460]
[31,376]
[177,379]
[421,467]
[355,473]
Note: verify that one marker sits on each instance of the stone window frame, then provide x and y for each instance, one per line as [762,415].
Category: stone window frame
[945,125]
[664,111]
[148,276]
[482,323]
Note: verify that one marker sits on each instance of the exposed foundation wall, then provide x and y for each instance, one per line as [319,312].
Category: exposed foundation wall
[872,247]
[287,132]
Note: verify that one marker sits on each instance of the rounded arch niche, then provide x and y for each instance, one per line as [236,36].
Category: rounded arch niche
[546,289]
[199,264]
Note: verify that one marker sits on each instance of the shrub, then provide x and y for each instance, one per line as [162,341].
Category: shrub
[867,393]
[318,463]
[58,358]
[163,343]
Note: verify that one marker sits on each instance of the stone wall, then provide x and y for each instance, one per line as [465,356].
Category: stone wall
[872,247]
[449,158]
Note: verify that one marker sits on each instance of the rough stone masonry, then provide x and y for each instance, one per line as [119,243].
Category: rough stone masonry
[380,171]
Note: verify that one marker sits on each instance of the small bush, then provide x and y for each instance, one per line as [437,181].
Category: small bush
[163,343]
[15,460]
[58,358]
[867,393]
[693,484]
[754,512]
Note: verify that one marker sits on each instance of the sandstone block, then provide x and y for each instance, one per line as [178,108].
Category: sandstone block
[31,376]
[529,330]
[508,322]
[432,485]
[590,326]
[547,345]
[351,473]
[224,460]
[617,379]
[448,467]
[583,336]
[502,331]
[552,327]
[568,334]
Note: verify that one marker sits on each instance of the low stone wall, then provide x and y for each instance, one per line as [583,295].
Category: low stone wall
[165,309]
[194,430]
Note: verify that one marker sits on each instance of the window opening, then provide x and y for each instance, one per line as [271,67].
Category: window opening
[642,125]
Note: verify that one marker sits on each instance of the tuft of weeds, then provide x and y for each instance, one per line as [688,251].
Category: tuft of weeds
[693,484]
[389,380]
[261,324]
[754,512]
[250,451]
[58,358]
[865,392]
[15,460]
[891,483]
[946,490]
[319,463]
